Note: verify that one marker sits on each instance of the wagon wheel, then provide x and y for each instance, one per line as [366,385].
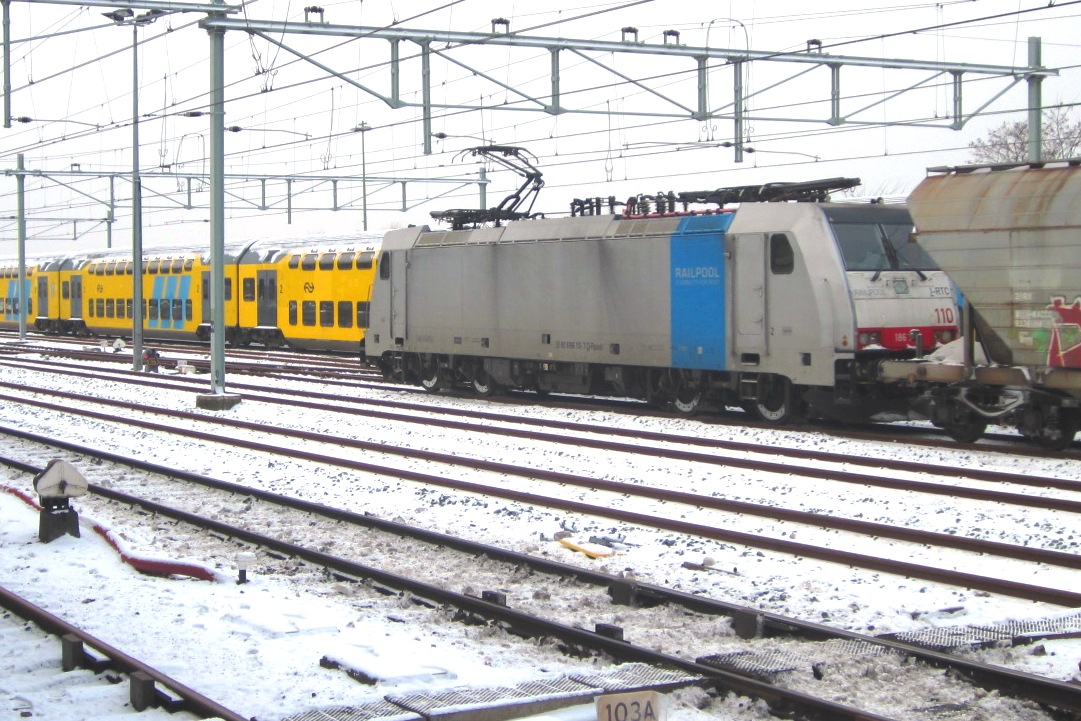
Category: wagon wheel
[775,403]
[1056,433]
[965,431]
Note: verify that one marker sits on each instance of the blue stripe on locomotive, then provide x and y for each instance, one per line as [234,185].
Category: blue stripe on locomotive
[697,267]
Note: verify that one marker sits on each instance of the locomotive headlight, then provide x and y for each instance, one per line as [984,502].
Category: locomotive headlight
[945,335]
[869,337]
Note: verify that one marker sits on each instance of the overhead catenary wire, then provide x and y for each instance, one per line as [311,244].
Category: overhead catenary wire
[255,154]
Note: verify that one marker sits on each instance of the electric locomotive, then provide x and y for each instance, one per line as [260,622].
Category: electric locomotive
[783,304]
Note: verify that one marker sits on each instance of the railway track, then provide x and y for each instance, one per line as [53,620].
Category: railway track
[86,665]
[792,655]
[348,375]
[828,467]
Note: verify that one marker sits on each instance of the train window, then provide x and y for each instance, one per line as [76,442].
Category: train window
[110,308]
[782,259]
[99,269]
[294,262]
[248,288]
[326,261]
[30,306]
[178,265]
[100,303]
[189,264]
[178,310]
[90,309]
[130,306]
[143,303]
[120,308]
[228,289]
[188,310]
[164,304]
[110,268]
[364,260]
[308,262]
[65,290]
[362,314]
[345,314]
[153,308]
[152,267]
[384,267]
[326,313]
[128,268]
[345,260]
[292,312]
[307,312]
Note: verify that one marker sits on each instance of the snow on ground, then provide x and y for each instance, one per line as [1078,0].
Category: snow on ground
[194,630]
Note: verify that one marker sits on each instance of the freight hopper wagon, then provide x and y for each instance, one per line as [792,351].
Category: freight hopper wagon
[1010,237]
[778,307]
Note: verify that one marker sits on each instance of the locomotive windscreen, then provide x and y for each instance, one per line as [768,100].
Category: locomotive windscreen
[878,238]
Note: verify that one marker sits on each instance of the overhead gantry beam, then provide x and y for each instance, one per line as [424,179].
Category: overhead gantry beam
[615,60]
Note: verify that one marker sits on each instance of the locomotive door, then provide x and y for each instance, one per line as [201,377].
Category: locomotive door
[266,298]
[749,294]
[397,293]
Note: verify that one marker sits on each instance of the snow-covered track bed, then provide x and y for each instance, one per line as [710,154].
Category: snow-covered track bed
[658,619]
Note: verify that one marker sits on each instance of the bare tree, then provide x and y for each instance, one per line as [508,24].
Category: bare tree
[1008,143]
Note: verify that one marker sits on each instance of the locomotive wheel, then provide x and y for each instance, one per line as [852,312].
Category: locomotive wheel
[687,401]
[483,385]
[431,379]
[774,404]
[688,395]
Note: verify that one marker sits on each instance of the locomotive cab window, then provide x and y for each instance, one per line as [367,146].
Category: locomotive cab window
[782,258]
[878,242]
[384,267]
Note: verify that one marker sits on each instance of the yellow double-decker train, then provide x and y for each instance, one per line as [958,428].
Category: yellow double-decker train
[307,294]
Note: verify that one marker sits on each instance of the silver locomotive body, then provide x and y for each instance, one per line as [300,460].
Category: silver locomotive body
[771,306]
